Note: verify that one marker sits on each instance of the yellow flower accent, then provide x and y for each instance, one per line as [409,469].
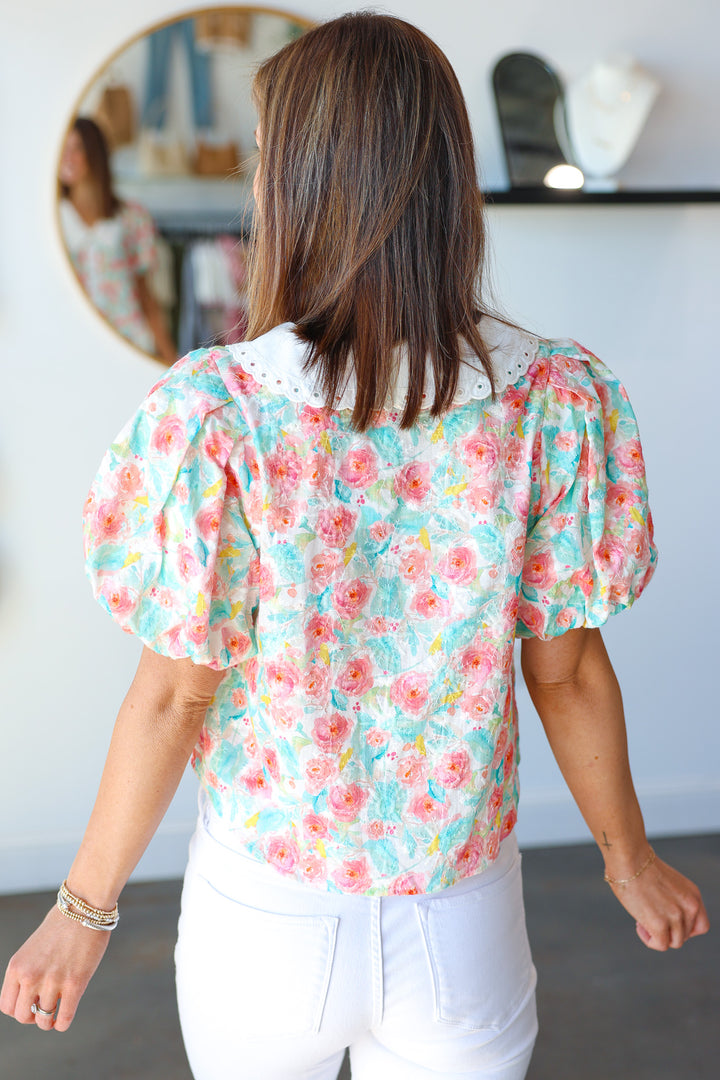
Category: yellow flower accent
[519,429]
[349,552]
[252,821]
[132,558]
[236,609]
[436,645]
[636,515]
[435,845]
[437,434]
[324,654]
[345,758]
[455,489]
[320,848]
[424,538]
[214,489]
[265,698]
[228,552]
[613,420]
[325,442]
[200,605]
[143,500]
[420,745]
[450,698]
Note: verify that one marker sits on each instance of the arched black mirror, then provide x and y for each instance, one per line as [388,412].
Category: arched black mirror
[529,101]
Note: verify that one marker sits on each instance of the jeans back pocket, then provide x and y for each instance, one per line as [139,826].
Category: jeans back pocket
[478,953]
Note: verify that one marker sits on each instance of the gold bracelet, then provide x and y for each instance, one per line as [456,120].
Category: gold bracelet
[73,907]
[626,881]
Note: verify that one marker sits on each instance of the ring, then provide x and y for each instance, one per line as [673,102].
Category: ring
[35,1008]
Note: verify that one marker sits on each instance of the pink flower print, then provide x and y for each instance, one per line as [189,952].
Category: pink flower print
[316,682]
[270,761]
[494,802]
[282,518]
[350,597]
[188,566]
[318,470]
[532,618]
[513,402]
[322,569]
[481,452]
[282,853]
[358,469]
[479,706]
[239,699]
[609,554]
[375,737]
[378,625]
[583,578]
[424,807]
[181,492]
[316,826]
[282,678]
[244,382]
[256,782]
[416,565]
[197,629]
[356,677]
[492,847]
[380,530]
[251,748]
[266,582]
[312,868]
[410,692]
[318,771]
[508,823]
[453,769]
[619,498]
[565,440]
[629,458]
[315,421]
[318,629]
[481,498]
[168,436]
[567,618]
[514,456]
[639,546]
[469,856]
[218,447]
[500,745]
[208,521]
[408,885]
[375,829]
[539,572]
[232,483]
[119,600]
[284,715]
[109,523]
[235,642]
[346,801]
[284,469]
[459,565]
[330,732]
[516,554]
[127,480]
[508,761]
[335,524]
[353,876]
[412,769]
[251,461]
[430,605]
[412,482]
[479,662]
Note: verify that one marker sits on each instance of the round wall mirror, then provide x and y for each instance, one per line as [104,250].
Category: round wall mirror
[155,178]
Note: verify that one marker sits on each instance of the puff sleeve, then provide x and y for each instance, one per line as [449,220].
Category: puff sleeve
[589,549]
[168,547]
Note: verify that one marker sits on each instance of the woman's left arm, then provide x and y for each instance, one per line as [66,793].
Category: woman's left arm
[154,735]
[156,320]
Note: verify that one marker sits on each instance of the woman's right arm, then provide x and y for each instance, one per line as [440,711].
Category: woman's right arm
[574,689]
[154,735]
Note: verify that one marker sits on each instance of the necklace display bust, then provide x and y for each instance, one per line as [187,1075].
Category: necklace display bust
[606,110]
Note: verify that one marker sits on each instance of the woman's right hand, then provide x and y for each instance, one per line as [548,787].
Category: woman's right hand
[667,907]
[56,962]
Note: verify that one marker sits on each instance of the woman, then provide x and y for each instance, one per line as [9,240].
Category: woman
[112,243]
[328,538]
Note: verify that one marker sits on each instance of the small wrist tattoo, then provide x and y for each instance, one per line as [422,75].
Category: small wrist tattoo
[606,843]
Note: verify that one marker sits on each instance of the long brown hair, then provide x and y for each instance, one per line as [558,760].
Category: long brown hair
[98,158]
[370,232]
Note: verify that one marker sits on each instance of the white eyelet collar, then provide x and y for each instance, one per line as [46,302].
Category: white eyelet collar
[276,359]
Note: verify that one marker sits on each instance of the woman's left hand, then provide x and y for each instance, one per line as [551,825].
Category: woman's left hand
[667,907]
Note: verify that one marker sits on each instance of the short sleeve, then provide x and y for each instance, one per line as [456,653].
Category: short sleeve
[589,549]
[168,547]
[139,238]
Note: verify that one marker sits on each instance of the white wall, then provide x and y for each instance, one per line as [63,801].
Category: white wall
[636,284]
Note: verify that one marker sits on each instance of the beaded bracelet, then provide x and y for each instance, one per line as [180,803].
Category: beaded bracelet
[73,907]
[626,881]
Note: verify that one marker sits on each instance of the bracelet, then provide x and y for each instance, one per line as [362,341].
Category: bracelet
[626,881]
[73,907]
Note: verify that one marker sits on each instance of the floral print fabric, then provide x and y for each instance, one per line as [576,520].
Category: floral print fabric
[364,592]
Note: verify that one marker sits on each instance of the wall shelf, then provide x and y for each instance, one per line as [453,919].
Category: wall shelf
[553,197]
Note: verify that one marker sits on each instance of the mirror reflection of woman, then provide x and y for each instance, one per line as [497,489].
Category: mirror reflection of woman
[112,242]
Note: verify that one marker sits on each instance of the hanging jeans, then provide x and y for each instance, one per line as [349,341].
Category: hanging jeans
[154,111]
[275,979]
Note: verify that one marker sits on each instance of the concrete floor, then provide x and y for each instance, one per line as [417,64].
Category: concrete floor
[609,1008]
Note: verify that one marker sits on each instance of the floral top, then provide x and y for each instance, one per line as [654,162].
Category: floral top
[364,591]
[107,256]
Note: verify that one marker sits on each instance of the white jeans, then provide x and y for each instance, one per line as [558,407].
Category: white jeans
[275,979]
